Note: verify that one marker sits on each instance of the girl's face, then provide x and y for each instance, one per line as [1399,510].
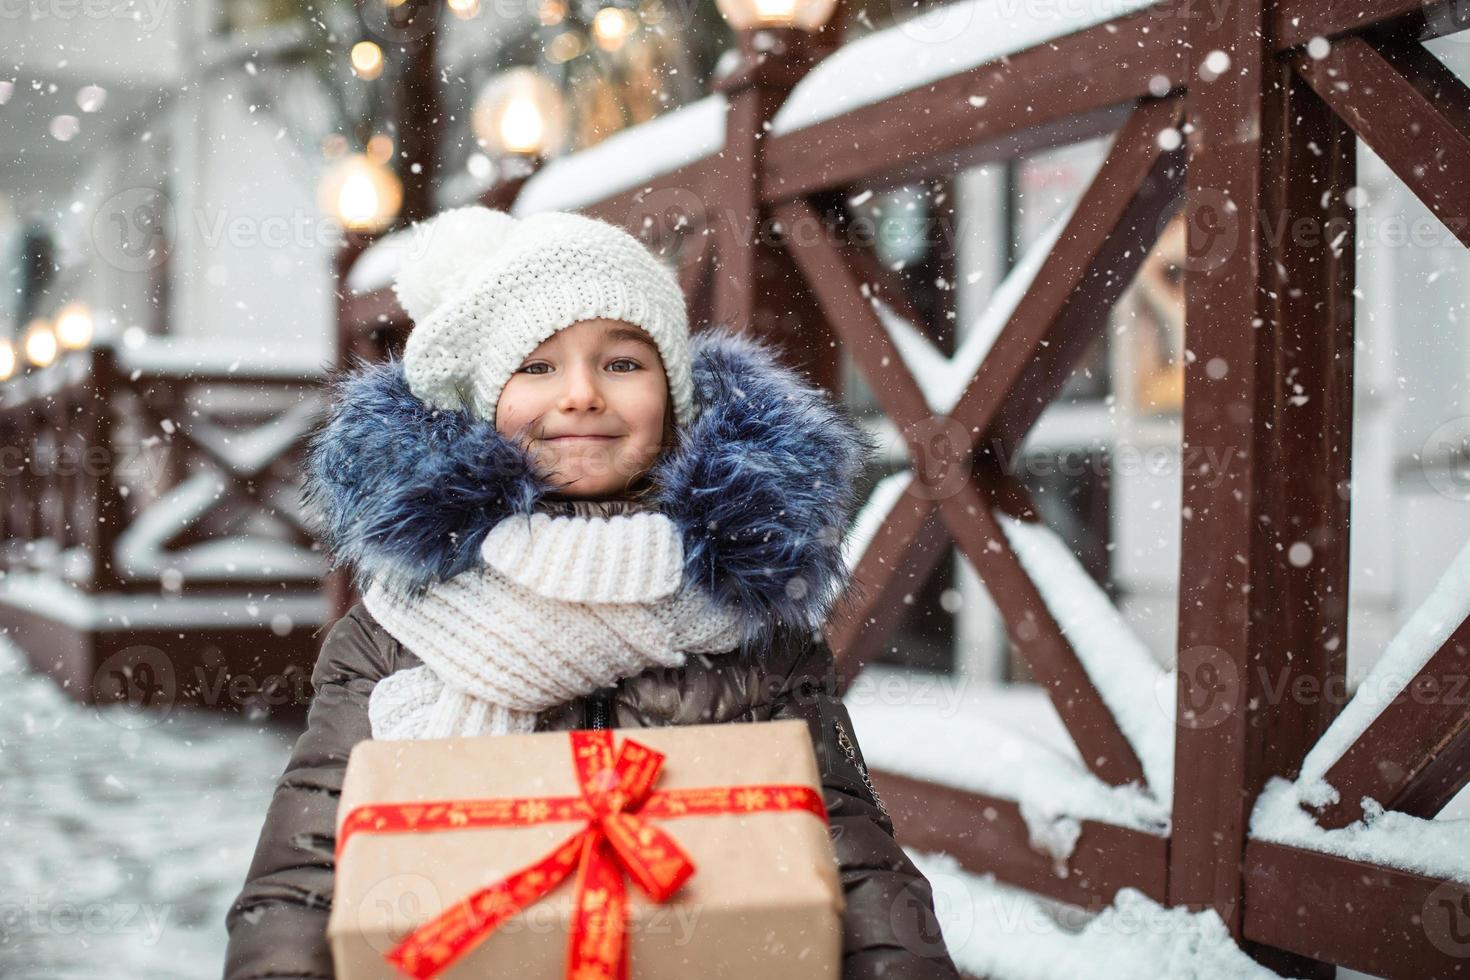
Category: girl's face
[589,405]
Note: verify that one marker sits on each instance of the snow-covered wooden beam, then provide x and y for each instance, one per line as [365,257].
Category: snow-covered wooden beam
[1379,920]
[1060,91]
[989,834]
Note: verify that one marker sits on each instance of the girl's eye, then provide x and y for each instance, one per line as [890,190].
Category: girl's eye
[633,365]
[538,364]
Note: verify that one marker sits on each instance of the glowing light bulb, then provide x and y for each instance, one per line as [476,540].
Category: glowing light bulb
[74,325]
[40,343]
[367,60]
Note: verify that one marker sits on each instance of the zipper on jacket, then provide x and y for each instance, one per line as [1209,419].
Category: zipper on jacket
[598,713]
[845,741]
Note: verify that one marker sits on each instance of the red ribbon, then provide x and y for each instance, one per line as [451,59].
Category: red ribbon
[616,802]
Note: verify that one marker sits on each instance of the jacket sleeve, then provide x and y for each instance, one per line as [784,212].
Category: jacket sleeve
[277,925]
[890,929]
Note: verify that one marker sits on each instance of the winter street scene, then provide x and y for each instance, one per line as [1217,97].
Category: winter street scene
[723,489]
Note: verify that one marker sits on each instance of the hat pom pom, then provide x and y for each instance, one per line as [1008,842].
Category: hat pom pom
[443,253]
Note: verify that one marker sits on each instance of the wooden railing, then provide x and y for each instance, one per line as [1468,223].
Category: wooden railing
[1245,118]
[130,472]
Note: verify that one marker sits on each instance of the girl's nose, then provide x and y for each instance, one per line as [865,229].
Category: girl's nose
[582,392]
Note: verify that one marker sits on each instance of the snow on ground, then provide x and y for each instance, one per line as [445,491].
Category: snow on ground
[127,834]
[1003,933]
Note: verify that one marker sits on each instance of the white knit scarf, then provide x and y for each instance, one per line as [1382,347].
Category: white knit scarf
[566,602]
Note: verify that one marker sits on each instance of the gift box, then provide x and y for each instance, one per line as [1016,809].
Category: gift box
[648,854]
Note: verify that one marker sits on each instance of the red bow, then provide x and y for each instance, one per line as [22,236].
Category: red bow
[617,802]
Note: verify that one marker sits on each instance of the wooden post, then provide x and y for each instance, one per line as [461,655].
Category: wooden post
[1267,426]
[772,62]
[417,114]
[108,513]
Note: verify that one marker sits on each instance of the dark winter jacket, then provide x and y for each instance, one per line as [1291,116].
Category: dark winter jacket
[761,486]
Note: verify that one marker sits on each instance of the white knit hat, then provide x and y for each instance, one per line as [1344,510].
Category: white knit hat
[485,289]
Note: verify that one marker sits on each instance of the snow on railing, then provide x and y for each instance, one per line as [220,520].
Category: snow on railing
[919,51]
[1138,691]
[183,356]
[1437,847]
[944,379]
[141,545]
[871,517]
[1420,638]
[627,158]
[930,732]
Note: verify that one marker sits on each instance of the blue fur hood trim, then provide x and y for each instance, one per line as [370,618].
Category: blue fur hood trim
[762,485]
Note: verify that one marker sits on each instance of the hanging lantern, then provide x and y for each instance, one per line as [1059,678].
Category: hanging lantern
[40,342]
[74,325]
[520,113]
[808,15]
[363,194]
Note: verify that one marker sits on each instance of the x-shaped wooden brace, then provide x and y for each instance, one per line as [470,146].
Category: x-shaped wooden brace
[1104,243]
[240,477]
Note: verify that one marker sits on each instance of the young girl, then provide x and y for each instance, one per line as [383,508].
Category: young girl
[566,513]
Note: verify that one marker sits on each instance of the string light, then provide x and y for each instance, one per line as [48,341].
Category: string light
[40,342]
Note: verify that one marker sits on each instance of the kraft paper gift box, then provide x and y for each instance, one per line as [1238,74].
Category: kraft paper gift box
[764,899]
